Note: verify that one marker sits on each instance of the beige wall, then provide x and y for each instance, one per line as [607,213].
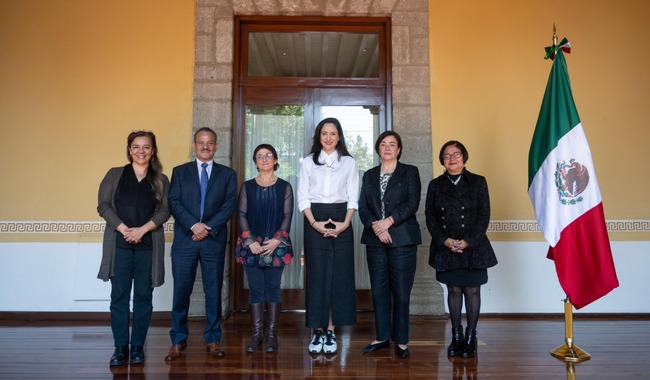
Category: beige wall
[488,77]
[76,76]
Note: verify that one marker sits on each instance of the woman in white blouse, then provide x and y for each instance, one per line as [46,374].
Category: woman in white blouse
[328,195]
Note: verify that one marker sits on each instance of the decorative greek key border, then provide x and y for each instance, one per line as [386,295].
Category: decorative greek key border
[69,227]
[532,226]
[513,226]
[58,227]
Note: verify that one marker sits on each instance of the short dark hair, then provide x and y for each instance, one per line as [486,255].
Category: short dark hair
[386,134]
[205,129]
[458,145]
[272,149]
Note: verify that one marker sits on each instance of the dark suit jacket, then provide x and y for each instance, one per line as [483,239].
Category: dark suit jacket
[459,212]
[401,201]
[185,204]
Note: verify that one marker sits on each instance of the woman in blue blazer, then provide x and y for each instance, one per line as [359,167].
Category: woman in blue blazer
[389,199]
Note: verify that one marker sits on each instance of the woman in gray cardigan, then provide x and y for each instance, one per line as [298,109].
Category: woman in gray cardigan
[133,201]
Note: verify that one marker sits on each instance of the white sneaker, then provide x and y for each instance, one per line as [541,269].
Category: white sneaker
[316,344]
[329,346]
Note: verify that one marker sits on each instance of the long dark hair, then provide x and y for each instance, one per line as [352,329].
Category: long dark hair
[341,148]
[154,172]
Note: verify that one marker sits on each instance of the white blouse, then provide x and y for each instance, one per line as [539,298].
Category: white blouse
[334,182]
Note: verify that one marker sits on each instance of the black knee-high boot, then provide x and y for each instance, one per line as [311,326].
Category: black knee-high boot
[470,344]
[272,317]
[457,342]
[257,319]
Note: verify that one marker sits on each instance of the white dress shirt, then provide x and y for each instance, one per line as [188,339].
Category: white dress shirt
[337,181]
[200,169]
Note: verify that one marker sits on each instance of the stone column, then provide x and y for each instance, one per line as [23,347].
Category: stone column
[412,120]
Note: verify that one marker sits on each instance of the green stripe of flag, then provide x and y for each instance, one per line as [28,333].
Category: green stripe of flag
[557,116]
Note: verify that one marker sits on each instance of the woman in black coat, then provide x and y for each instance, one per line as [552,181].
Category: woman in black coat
[458,213]
[389,199]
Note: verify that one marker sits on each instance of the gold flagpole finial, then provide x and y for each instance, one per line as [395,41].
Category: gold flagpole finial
[554,36]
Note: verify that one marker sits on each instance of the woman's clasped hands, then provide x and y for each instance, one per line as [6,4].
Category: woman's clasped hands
[456,246]
[325,227]
[265,248]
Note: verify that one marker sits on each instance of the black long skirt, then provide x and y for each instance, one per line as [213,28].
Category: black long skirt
[329,266]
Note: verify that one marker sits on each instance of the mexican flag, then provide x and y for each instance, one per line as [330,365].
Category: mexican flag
[563,188]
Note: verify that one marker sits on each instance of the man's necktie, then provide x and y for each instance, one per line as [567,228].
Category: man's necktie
[204,186]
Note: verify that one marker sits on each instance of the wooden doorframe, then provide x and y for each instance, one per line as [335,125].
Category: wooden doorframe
[290,90]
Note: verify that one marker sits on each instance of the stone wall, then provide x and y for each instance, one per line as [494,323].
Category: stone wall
[212,105]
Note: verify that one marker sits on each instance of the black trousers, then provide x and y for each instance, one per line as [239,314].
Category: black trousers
[329,266]
[392,272]
[132,270]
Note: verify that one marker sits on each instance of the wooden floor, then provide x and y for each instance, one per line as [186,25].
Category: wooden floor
[508,349]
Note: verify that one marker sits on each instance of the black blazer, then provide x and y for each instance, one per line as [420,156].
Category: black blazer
[459,212]
[185,205]
[401,201]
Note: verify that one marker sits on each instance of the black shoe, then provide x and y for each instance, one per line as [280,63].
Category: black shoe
[137,354]
[405,353]
[457,342]
[377,346]
[120,355]
[470,344]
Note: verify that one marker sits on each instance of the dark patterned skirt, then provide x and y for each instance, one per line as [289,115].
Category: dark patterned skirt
[463,277]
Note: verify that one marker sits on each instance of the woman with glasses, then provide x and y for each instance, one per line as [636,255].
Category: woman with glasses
[390,197]
[264,212]
[457,214]
[133,201]
[328,196]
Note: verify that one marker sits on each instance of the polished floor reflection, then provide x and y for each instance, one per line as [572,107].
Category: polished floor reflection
[508,349]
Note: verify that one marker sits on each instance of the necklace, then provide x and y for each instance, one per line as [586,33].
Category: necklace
[140,172]
[269,180]
[388,168]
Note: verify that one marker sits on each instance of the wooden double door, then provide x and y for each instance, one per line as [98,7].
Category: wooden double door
[286,119]
[290,73]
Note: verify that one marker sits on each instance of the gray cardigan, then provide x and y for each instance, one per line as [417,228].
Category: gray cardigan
[106,209]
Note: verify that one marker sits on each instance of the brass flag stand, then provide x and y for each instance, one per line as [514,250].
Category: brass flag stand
[568,351]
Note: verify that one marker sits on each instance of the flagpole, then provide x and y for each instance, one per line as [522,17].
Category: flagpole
[570,371]
[568,351]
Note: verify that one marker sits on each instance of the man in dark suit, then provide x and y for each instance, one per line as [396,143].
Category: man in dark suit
[202,198]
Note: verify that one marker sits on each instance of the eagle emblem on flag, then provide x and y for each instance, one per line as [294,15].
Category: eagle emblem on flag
[571,179]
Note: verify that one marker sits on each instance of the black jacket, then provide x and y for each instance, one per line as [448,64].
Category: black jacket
[459,212]
[401,201]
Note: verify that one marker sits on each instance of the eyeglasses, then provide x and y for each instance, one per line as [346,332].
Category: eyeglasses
[263,156]
[448,156]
